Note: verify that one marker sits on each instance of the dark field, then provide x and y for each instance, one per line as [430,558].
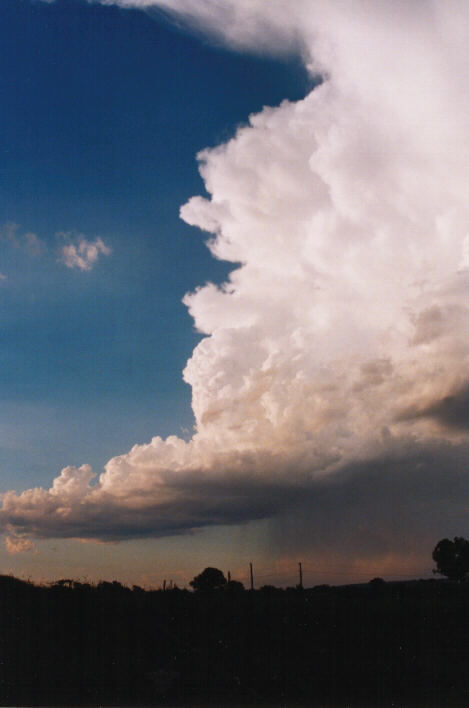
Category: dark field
[382,644]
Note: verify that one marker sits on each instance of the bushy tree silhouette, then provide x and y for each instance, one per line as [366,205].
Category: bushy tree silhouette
[209,579]
[234,586]
[452,558]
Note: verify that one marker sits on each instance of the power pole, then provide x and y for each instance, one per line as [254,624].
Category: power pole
[301,575]
[164,585]
[229,577]
[252,576]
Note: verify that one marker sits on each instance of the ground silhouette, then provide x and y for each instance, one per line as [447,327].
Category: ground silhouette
[378,644]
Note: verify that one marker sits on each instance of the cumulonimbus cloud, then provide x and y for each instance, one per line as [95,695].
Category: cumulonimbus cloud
[335,362]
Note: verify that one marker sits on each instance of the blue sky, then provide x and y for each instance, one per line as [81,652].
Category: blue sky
[103,112]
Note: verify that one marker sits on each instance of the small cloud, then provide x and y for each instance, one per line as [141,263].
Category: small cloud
[32,244]
[27,241]
[3,277]
[18,544]
[82,254]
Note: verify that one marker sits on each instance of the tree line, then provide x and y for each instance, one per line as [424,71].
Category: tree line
[378,643]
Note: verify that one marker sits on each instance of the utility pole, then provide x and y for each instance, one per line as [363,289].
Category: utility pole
[229,577]
[252,576]
[301,575]
[164,585]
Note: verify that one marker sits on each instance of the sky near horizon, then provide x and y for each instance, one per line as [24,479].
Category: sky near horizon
[260,356]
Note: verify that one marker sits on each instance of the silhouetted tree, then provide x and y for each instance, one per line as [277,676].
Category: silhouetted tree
[234,586]
[268,589]
[377,582]
[452,558]
[209,579]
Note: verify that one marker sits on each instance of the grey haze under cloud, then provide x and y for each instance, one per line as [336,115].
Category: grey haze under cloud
[331,388]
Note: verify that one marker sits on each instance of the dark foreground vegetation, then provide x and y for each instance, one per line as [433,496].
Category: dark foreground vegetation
[380,644]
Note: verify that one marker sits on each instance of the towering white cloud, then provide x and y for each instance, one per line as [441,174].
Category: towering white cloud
[335,364]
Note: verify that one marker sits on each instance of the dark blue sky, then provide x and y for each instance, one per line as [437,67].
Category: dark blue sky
[103,111]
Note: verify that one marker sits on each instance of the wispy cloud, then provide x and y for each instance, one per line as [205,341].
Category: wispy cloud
[27,241]
[241,24]
[75,251]
[81,253]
